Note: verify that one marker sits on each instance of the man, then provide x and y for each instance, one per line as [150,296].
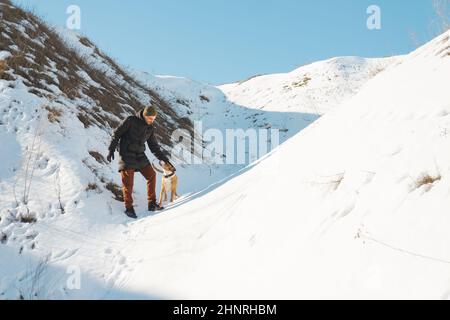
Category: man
[131,137]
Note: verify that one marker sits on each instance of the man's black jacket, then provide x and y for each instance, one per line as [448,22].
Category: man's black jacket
[130,137]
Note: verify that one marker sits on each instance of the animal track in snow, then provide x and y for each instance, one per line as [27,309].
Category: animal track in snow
[118,269]
[369,177]
[396,151]
[42,162]
[443,113]
[63,255]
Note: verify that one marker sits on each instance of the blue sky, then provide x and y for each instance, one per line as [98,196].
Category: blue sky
[220,41]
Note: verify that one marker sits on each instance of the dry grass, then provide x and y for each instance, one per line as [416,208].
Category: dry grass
[183,102]
[3,238]
[302,83]
[86,42]
[92,187]
[53,114]
[98,157]
[337,182]
[427,179]
[3,66]
[204,98]
[112,100]
[444,51]
[115,190]
[28,218]
[36,92]
[85,120]
[6,76]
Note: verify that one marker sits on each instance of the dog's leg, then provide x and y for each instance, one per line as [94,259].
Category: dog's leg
[175,189]
[173,192]
[163,191]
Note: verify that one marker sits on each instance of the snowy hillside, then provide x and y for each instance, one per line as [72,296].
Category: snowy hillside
[269,102]
[354,204]
[363,215]
[216,109]
[60,98]
[315,88]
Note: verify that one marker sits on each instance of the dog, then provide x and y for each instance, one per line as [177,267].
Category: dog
[169,183]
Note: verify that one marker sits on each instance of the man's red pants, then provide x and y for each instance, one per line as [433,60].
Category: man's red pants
[128,181]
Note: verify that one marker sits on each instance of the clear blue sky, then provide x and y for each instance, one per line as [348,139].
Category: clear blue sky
[219,41]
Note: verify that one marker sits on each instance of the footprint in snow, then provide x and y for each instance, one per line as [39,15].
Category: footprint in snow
[443,113]
[347,210]
[118,271]
[63,255]
[122,260]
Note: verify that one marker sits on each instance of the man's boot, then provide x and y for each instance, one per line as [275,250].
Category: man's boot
[153,206]
[131,213]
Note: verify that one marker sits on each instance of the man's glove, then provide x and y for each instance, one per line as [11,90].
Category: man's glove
[172,168]
[110,156]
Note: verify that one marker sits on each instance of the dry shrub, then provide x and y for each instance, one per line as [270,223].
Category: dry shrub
[427,179]
[98,157]
[3,66]
[86,42]
[93,187]
[302,83]
[115,190]
[53,114]
[204,98]
[28,218]
[115,95]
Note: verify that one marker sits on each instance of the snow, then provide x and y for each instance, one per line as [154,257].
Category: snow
[315,88]
[352,204]
[4,55]
[9,143]
[346,220]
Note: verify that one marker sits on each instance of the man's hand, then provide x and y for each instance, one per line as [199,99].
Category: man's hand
[110,156]
[172,168]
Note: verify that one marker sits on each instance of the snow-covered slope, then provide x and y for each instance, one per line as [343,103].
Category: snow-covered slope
[315,88]
[355,206]
[216,109]
[281,101]
[60,98]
